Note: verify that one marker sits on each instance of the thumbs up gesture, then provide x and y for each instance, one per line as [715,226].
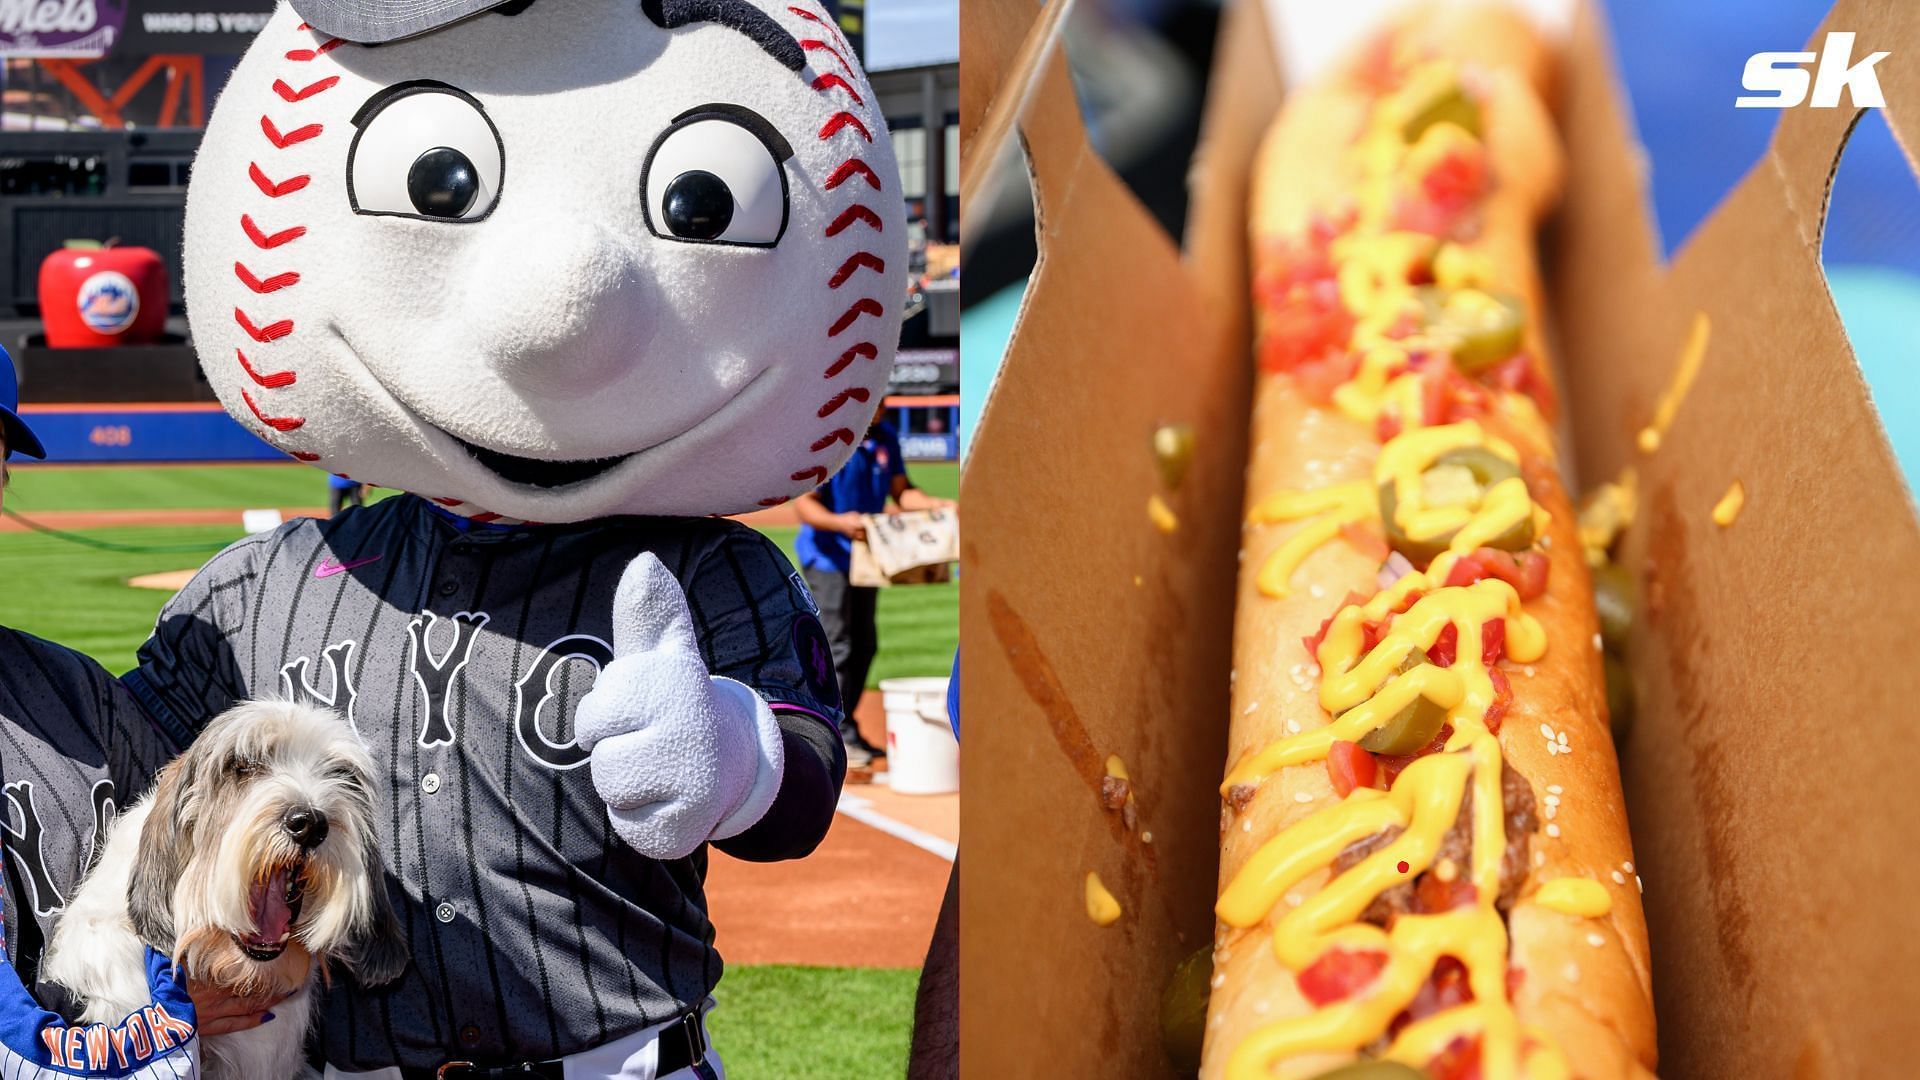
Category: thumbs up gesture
[680,756]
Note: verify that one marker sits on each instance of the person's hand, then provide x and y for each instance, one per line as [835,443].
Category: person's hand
[679,756]
[218,1012]
[853,525]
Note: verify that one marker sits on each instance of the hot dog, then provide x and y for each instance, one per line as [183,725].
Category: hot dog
[1424,847]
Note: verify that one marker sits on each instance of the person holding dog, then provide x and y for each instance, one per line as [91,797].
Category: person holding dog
[74,748]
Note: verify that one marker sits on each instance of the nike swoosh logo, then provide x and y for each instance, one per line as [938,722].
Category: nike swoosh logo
[329,567]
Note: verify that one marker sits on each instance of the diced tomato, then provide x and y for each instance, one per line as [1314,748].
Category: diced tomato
[1318,379]
[1433,896]
[1366,540]
[1463,399]
[1519,374]
[1527,574]
[1339,974]
[1327,225]
[1307,325]
[1291,262]
[1387,426]
[1459,1061]
[1493,641]
[1349,767]
[1376,70]
[1446,987]
[1433,394]
[1312,641]
[1446,194]
[1502,699]
[1372,633]
[1459,178]
[1392,764]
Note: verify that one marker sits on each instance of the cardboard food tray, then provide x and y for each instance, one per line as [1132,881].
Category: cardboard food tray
[1767,769]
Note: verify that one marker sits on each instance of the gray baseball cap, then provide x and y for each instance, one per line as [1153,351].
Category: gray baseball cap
[370,22]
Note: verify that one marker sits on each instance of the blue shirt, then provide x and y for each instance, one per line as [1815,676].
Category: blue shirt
[862,487]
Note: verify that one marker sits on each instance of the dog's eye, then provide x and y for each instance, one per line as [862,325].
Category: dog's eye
[424,150]
[715,177]
[246,768]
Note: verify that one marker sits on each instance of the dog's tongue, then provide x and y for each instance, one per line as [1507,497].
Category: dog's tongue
[271,915]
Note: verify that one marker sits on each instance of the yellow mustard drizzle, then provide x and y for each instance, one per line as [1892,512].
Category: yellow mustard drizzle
[1362,693]
[1401,463]
[1575,896]
[1330,509]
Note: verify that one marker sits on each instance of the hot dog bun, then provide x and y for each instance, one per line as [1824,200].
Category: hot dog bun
[1579,985]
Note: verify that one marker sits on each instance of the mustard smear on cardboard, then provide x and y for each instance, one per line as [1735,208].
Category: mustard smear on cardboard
[1161,514]
[1684,373]
[1728,508]
[1102,908]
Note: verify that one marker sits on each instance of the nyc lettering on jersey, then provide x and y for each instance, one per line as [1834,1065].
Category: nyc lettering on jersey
[142,1037]
[438,649]
[1779,80]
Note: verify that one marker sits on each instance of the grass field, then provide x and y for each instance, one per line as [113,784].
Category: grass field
[775,1023]
[78,596]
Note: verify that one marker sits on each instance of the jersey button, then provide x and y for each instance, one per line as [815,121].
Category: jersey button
[470,1036]
[430,783]
[448,588]
[444,912]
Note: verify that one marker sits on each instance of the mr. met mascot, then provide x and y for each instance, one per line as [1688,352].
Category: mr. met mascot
[578,275]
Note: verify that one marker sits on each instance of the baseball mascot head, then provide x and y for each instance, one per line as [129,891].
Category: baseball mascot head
[553,261]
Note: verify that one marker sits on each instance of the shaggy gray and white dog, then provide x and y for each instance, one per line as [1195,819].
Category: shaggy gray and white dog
[252,864]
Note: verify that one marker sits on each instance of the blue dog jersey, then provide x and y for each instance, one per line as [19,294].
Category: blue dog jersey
[155,1043]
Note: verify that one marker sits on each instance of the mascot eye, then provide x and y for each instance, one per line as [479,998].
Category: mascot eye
[715,177]
[442,183]
[424,150]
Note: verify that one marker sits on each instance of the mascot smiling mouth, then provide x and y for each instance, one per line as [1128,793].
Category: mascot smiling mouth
[533,471]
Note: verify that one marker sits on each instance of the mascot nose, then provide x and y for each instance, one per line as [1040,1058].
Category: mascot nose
[558,307]
[306,825]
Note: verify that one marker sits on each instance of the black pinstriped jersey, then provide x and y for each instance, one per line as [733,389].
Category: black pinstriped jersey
[458,652]
[73,746]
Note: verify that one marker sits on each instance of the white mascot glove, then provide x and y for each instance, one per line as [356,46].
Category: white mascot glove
[679,756]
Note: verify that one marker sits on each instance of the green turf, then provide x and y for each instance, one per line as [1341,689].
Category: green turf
[777,1022]
[196,487]
[919,624]
[165,487]
[78,596]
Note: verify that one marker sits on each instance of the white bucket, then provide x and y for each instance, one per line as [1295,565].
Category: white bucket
[923,757]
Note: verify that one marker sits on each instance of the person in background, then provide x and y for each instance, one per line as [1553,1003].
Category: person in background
[14,434]
[832,517]
[342,493]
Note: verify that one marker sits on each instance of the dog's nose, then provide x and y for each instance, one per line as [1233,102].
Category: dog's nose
[307,826]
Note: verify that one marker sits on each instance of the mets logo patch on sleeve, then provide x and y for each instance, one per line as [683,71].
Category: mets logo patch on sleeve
[816,660]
